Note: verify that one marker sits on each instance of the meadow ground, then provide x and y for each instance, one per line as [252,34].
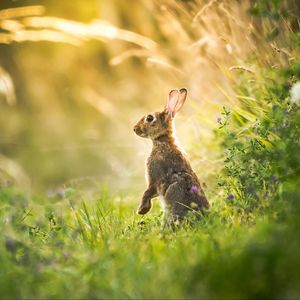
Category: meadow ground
[100,249]
[73,81]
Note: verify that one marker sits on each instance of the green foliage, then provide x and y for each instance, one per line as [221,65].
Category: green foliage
[266,9]
[263,155]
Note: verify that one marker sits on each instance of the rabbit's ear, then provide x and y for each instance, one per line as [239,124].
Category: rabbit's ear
[175,101]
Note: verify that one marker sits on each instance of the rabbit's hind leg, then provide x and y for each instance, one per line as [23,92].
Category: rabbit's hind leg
[176,199]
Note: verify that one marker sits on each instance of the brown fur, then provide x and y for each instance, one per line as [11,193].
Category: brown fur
[169,172]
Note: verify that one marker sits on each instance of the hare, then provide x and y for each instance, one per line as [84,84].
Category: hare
[169,173]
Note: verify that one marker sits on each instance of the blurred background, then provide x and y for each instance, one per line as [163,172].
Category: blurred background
[76,75]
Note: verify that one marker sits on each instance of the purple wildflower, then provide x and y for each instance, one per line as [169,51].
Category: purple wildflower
[60,193]
[194,189]
[274,178]
[219,120]
[56,193]
[231,196]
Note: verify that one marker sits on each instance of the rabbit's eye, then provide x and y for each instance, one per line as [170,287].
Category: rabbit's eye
[149,118]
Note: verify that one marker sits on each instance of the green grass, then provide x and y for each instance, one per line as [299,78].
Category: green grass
[101,249]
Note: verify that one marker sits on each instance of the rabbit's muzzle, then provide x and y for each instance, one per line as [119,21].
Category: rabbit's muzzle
[138,131]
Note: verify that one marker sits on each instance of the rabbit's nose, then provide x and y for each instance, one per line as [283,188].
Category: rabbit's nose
[137,130]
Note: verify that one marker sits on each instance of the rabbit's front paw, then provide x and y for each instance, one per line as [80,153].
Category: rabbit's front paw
[144,208]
